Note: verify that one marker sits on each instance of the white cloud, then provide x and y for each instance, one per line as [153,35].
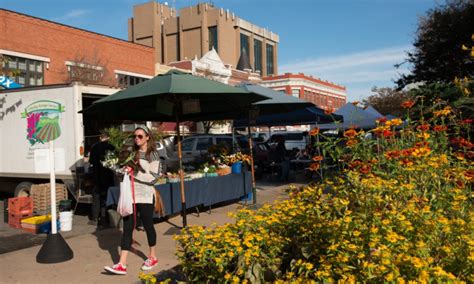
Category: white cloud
[359,71]
[73,14]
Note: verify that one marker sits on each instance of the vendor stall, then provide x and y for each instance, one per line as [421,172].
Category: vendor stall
[205,191]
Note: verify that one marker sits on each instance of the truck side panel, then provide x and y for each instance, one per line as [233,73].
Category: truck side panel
[29,119]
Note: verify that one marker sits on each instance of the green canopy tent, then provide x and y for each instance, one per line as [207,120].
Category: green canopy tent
[278,102]
[174,97]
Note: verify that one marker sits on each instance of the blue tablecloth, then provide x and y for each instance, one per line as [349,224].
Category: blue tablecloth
[204,191]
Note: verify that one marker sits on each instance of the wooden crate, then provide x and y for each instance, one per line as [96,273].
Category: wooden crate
[41,195]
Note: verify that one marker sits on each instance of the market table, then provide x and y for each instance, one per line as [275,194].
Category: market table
[205,191]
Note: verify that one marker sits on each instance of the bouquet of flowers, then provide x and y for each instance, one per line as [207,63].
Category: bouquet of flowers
[237,157]
[110,160]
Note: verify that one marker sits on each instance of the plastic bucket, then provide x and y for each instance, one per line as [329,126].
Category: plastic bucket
[237,168]
[65,219]
[65,205]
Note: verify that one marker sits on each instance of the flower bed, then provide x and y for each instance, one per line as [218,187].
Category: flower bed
[400,210]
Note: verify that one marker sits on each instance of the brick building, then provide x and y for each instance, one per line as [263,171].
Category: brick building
[45,52]
[324,94]
[200,28]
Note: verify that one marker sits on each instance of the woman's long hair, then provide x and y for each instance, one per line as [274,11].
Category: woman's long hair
[150,147]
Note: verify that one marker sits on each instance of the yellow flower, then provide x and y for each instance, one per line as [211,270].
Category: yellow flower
[227,276]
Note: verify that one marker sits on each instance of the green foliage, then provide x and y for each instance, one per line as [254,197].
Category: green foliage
[449,93]
[401,210]
[438,54]
[387,101]
[117,137]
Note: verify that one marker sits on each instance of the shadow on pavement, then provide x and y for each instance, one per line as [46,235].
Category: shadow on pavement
[109,240]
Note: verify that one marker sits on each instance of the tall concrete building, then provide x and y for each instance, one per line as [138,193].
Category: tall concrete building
[195,30]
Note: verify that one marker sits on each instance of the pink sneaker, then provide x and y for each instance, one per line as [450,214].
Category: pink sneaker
[117,269]
[149,263]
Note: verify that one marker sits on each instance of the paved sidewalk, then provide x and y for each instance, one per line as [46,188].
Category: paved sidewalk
[93,251]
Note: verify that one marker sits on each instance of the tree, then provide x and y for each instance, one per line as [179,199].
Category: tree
[208,125]
[387,101]
[438,55]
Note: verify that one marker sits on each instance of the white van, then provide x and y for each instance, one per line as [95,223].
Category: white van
[293,140]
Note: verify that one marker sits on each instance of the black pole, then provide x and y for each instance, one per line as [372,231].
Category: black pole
[254,186]
[181,175]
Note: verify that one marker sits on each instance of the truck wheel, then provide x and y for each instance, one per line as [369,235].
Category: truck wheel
[23,189]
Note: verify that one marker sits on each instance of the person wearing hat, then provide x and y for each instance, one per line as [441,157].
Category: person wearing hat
[146,156]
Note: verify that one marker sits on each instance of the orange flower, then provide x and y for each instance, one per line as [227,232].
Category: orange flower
[317,158]
[379,130]
[440,128]
[351,142]
[444,112]
[460,184]
[423,127]
[420,152]
[314,167]
[407,152]
[329,110]
[392,154]
[470,154]
[406,162]
[408,104]
[365,169]
[314,131]
[351,133]
[355,164]
[469,174]
[387,133]
[381,120]
[421,144]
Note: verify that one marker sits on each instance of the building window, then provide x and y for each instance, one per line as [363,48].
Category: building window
[84,72]
[244,44]
[257,52]
[213,38]
[295,92]
[270,68]
[129,80]
[25,71]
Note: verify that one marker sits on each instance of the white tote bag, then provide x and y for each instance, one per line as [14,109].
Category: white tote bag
[125,202]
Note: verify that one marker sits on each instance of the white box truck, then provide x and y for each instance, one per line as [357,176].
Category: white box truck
[32,116]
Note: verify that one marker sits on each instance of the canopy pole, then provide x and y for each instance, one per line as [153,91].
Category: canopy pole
[319,154]
[233,136]
[254,186]
[181,174]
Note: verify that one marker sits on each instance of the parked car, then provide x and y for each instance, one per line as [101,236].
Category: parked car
[194,148]
[260,136]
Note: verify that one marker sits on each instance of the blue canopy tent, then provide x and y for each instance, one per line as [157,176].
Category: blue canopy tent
[308,115]
[354,117]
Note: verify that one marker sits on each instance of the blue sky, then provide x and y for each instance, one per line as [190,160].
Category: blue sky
[354,43]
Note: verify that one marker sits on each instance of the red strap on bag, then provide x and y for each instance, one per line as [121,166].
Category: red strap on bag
[133,197]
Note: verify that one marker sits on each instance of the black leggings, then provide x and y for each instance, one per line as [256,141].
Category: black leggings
[146,215]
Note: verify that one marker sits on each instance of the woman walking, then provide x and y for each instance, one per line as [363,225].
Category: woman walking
[147,159]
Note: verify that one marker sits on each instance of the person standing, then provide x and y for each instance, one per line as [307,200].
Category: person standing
[282,157]
[147,157]
[103,178]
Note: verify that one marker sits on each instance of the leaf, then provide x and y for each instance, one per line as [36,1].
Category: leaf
[306,251]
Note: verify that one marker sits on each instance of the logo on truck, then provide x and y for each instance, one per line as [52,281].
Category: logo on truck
[42,120]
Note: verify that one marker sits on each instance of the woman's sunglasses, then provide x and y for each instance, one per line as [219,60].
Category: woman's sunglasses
[139,136]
